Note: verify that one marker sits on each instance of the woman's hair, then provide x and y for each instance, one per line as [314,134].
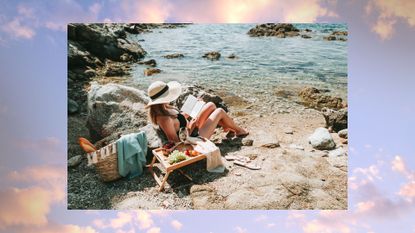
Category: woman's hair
[159,110]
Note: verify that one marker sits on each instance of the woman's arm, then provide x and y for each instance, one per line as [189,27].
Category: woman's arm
[166,123]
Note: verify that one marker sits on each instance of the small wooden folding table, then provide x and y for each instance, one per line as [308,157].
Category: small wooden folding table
[158,154]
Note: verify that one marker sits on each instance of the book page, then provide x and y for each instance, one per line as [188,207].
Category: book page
[197,108]
[189,104]
[192,106]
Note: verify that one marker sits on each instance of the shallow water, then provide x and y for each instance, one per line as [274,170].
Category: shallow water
[263,62]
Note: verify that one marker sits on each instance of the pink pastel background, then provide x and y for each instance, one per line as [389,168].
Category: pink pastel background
[381,115]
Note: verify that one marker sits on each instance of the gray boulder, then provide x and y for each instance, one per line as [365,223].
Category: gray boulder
[322,140]
[74,161]
[114,109]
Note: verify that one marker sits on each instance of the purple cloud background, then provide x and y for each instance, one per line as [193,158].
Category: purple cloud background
[33,116]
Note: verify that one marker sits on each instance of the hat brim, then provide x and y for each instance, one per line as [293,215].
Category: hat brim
[175,89]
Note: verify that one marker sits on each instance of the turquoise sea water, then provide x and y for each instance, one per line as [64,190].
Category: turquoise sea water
[264,62]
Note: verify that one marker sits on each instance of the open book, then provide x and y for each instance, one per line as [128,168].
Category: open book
[192,106]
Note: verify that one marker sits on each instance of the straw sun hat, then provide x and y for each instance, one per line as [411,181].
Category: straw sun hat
[163,93]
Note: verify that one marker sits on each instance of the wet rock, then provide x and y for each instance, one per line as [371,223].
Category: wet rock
[214,55]
[74,161]
[150,62]
[232,56]
[305,36]
[343,133]
[135,28]
[174,55]
[308,30]
[104,41]
[313,98]
[336,120]
[73,107]
[247,142]
[90,73]
[151,71]
[115,71]
[125,57]
[322,140]
[337,35]
[329,38]
[280,30]
[115,109]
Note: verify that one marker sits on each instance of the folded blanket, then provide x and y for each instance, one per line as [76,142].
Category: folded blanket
[214,161]
[132,150]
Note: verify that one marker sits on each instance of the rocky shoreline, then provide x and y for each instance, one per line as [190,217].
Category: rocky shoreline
[302,151]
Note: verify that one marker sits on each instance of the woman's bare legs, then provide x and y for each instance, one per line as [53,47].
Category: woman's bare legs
[205,113]
[219,115]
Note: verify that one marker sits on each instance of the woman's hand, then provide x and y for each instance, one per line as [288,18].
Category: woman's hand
[192,125]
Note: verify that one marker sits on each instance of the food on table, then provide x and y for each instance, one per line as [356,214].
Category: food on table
[168,145]
[176,156]
[191,153]
[194,153]
[165,152]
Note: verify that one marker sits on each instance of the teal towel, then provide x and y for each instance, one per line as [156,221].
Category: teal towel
[132,150]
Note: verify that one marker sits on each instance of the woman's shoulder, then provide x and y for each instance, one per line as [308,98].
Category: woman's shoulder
[164,118]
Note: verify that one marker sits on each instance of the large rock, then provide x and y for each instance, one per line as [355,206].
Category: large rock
[78,57]
[312,97]
[114,109]
[322,140]
[280,30]
[104,41]
[335,120]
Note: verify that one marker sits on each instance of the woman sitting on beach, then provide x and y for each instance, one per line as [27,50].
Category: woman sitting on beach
[170,120]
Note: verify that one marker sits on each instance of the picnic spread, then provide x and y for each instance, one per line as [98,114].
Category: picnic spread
[186,153]
[127,157]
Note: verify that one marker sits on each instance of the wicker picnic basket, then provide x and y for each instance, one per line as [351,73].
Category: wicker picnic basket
[105,161]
